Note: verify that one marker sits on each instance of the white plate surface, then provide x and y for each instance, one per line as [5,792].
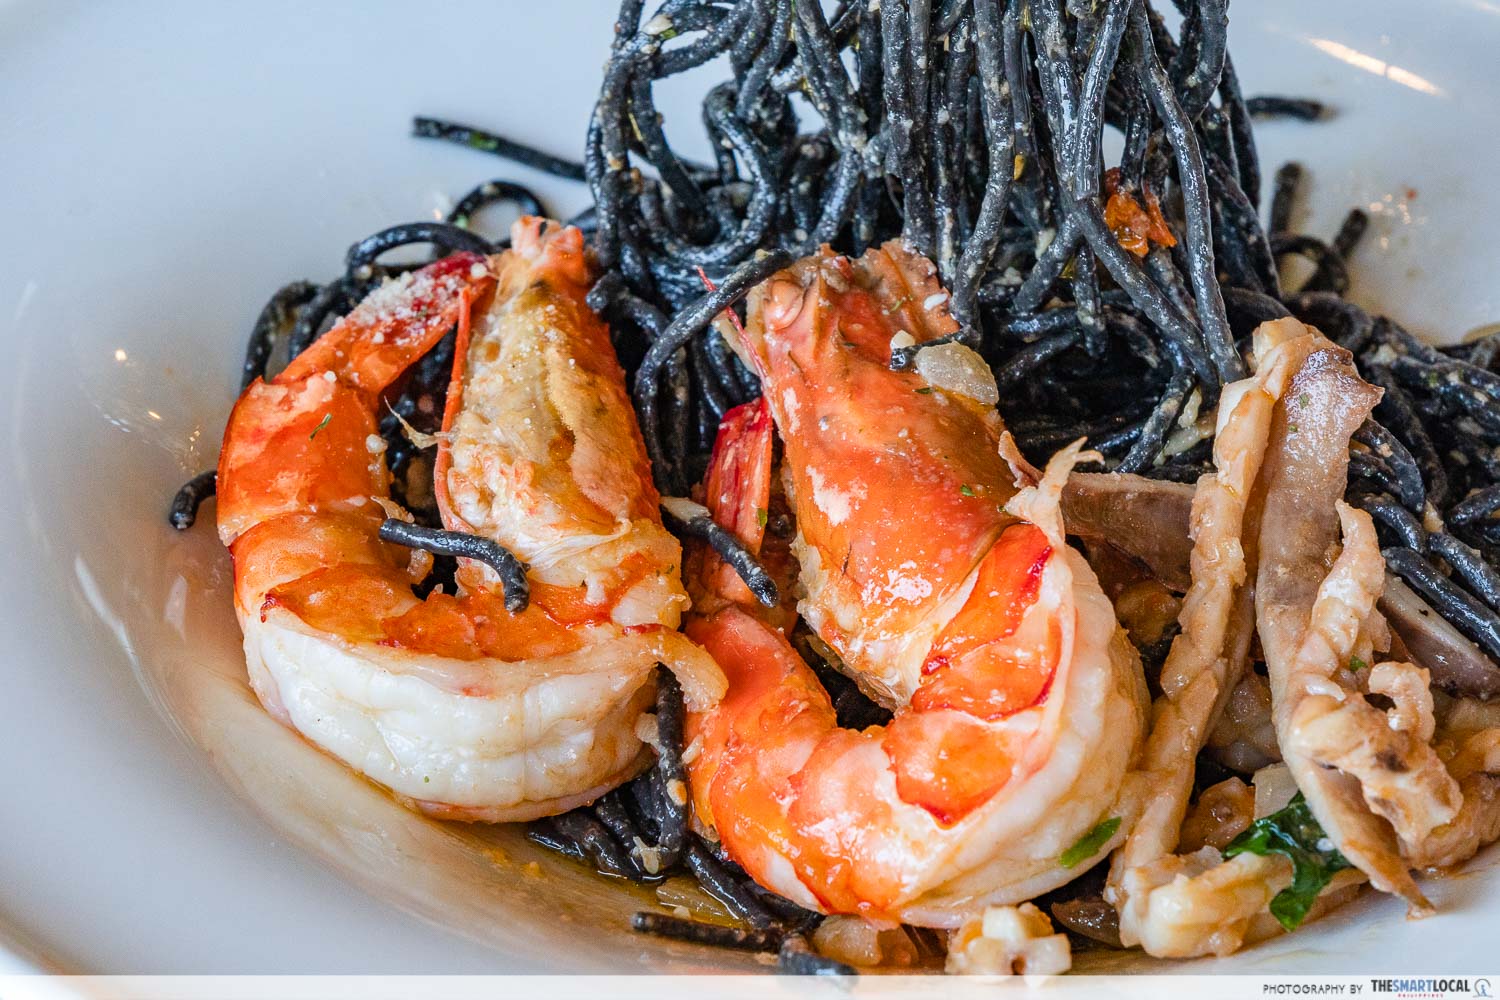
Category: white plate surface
[167,165]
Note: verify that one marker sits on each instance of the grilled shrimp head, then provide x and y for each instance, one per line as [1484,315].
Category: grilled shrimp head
[948,591]
[456,704]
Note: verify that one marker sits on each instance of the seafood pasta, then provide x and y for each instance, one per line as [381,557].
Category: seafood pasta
[947,548]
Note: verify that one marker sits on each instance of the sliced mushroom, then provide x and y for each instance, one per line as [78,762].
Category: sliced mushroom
[1146,519]
[1458,666]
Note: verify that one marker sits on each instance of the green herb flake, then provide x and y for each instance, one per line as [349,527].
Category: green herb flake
[1303,399]
[899,304]
[321,424]
[761,516]
[966,490]
[1089,844]
[1294,833]
[925,390]
[1356,664]
[1291,428]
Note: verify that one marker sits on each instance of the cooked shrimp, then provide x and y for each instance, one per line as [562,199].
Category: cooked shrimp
[456,704]
[948,592]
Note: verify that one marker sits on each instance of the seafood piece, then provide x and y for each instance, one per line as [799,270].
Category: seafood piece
[1009,941]
[459,706]
[1205,664]
[1148,519]
[740,484]
[1198,904]
[1372,778]
[1336,741]
[1476,768]
[948,591]
[1312,618]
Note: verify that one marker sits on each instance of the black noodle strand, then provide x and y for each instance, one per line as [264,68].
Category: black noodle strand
[274,323]
[1270,106]
[512,571]
[717,935]
[488,142]
[187,500]
[670,775]
[445,236]
[731,551]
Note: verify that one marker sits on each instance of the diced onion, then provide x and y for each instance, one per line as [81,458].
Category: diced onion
[956,368]
[848,939]
[1274,788]
[682,508]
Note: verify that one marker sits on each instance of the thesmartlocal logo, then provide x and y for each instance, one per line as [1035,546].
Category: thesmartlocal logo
[1415,987]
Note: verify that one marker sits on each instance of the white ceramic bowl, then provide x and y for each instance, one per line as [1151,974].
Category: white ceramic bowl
[165,167]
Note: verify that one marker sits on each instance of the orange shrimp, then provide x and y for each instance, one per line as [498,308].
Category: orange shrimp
[947,591]
[456,704]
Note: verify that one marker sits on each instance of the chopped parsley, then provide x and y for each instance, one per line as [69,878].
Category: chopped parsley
[1089,844]
[760,516]
[966,490]
[1356,664]
[925,390]
[1294,833]
[321,424]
